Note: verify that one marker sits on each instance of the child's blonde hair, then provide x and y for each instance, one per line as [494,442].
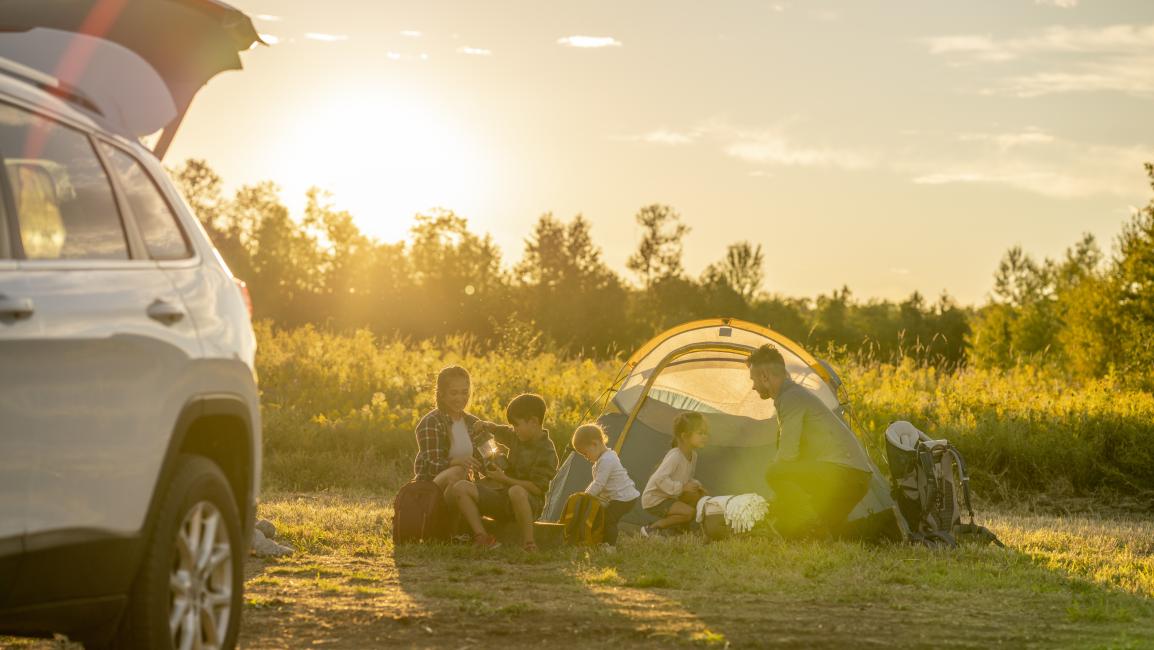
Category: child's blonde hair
[587,434]
[687,423]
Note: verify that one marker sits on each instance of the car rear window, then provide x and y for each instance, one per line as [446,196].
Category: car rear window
[162,235]
[64,203]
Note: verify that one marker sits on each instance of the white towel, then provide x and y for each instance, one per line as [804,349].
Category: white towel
[741,511]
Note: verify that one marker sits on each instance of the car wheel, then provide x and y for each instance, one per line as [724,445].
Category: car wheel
[188,592]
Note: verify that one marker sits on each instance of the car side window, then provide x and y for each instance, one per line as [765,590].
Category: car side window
[64,204]
[158,226]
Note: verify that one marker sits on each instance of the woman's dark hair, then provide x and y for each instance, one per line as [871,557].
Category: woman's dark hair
[444,377]
[686,423]
[525,406]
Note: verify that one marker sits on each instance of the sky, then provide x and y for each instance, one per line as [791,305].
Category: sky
[888,145]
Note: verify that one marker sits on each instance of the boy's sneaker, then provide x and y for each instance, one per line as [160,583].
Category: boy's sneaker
[646,531]
[529,547]
[485,541]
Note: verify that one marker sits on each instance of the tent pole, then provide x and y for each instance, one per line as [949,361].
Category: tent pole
[664,363]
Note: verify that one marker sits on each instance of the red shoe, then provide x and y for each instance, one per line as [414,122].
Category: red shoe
[485,541]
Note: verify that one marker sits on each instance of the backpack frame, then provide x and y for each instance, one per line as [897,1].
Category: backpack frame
[931,485]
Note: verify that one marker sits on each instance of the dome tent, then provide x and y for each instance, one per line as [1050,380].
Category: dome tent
[701,366]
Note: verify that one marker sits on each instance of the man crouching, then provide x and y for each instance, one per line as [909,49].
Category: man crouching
[821,470]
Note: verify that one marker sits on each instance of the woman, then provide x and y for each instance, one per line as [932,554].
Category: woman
[446,440]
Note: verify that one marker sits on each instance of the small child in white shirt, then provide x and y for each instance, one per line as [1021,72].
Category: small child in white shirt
[611,483]
[671,491]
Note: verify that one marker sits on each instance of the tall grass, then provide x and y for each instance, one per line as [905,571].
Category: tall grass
[339,412]
[1019,429]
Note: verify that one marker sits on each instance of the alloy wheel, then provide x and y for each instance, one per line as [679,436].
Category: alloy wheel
[200,584]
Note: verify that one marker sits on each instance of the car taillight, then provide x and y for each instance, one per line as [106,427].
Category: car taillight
[244,293]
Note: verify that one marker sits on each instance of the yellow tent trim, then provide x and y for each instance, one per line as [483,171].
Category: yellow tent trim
[776,337]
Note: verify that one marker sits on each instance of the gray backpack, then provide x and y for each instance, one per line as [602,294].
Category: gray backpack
[931,487]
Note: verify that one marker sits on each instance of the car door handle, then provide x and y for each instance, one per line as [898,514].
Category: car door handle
[165,312]
[15,308]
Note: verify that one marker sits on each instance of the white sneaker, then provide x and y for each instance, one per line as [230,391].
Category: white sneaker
[645,532]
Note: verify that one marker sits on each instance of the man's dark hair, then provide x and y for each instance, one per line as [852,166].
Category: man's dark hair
[444,377]
[525,406]
[766,354]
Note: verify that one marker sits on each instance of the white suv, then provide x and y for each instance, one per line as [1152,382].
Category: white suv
[129,419]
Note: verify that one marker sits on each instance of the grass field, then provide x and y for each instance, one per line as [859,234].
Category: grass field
[1076,582]
[1063,582]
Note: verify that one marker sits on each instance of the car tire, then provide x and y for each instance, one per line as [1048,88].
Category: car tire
[192,575]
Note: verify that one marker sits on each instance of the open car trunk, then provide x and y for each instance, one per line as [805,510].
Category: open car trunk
[136,64]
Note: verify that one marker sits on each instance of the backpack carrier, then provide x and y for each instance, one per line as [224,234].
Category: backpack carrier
[931,486]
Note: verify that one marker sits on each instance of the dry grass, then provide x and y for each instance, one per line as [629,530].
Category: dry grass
[1064,582]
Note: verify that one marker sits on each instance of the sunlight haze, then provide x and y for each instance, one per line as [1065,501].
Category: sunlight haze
[890,146]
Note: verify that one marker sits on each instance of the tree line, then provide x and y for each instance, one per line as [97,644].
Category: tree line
[1087,313]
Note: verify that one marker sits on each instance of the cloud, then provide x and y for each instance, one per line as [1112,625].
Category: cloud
[668,137]
[1129,75]
[269,18]
[1116,58]
[899,271]
[773,148]
[327,38]
[761,146]
[1027,159]
[1114,39]
[1046,183]
[474,51]
[979,47]
[411,33]
[1064,4]
[663,136]
[1007,141]
[589,41]
[826,15]
[1060,169]
[399,56]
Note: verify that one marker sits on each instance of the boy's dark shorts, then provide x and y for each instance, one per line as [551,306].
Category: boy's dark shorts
[494,502]
[661,510]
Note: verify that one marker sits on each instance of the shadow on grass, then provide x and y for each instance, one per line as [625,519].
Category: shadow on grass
[509,596]
[764,592]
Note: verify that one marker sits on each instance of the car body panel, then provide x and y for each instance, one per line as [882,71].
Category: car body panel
[96,391]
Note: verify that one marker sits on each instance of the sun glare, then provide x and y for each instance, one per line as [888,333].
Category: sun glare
[384,158]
